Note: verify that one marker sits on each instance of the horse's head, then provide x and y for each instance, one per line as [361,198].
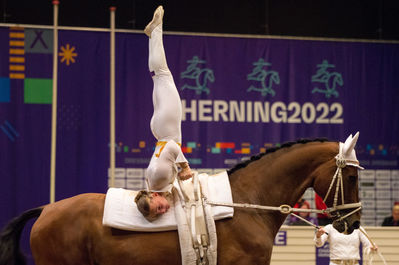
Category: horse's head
[337,182]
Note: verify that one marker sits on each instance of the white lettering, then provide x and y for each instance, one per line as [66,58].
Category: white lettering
[308,117]
[278,112]
[236,111]
[192,110]
[296,108]
[323,107]
[249,111]
[262,111]
[220,108]
[338,113]
[203,109]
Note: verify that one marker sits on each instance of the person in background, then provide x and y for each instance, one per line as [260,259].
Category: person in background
[344,249]
[302,204]
[322,218]
[392,220]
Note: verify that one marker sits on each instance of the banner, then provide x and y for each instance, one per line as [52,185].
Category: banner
[241,96]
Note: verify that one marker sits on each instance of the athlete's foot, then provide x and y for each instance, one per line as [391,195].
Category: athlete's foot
[156,20]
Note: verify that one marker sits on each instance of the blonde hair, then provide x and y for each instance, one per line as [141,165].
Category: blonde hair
[143,200]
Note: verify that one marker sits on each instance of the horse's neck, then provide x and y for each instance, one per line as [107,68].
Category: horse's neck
[281,177]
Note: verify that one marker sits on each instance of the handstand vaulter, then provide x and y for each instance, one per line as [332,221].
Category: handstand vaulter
[166,128]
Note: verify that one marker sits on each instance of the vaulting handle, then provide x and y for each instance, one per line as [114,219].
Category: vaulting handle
[195,180]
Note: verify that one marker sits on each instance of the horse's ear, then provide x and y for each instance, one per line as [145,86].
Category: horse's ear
[348,140]
[350,144]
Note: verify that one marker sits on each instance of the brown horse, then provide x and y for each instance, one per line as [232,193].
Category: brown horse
[70,231]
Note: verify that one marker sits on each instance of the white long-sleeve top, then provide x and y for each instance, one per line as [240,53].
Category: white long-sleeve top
[162,170]
[342,247]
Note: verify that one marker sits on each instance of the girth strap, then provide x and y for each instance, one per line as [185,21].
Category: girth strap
[197,219]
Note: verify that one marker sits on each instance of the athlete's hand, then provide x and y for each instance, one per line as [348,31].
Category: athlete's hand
[320,232]
[185,173]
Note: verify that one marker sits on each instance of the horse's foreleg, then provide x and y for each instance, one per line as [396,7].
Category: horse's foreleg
[239,241]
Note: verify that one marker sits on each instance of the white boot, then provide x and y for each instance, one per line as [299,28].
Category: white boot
[156,20]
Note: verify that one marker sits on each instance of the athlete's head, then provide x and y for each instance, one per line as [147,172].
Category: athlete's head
[151,204]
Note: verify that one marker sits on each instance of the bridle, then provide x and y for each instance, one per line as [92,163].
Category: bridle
[341,163]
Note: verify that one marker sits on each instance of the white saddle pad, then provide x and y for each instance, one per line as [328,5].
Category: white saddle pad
[120,210]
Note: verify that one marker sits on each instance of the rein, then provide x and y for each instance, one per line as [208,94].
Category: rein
[284,208]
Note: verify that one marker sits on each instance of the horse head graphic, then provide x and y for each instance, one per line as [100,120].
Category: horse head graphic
[201,76]
[329,79]
[266,78]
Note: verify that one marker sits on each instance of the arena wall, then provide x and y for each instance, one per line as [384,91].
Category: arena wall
[300,249]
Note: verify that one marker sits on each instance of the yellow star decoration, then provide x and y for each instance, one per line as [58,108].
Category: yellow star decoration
[68,54]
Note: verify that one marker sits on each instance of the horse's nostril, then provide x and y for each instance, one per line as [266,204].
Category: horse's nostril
[356,225]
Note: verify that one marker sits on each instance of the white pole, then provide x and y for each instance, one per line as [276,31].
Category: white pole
[112,99]
[54,105]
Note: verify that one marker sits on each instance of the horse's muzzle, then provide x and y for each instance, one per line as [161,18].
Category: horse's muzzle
[343,226]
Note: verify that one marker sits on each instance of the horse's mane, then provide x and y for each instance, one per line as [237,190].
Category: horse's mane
[271,150]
